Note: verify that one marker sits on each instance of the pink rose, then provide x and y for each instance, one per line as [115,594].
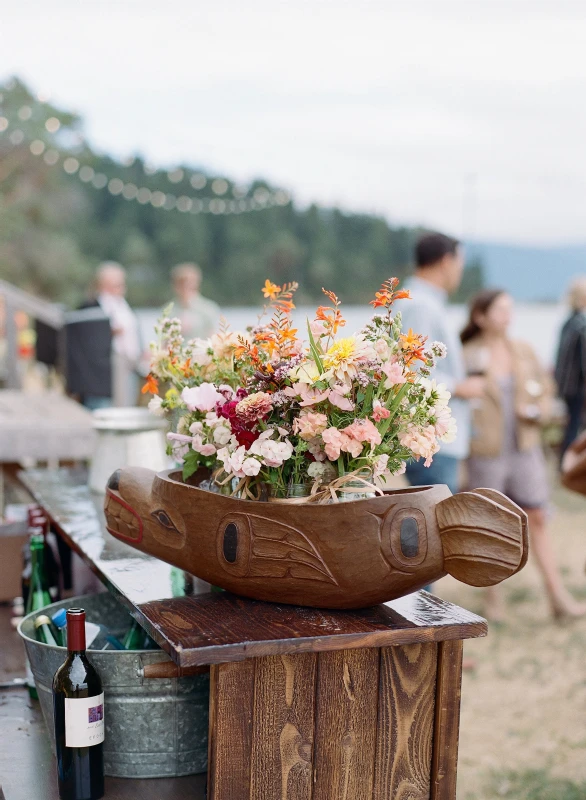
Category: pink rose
[333,440]
[394,373]
[363,430]
[421,441]
[310,424]
[379,411]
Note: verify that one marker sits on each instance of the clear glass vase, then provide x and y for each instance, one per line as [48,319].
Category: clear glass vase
[354,490]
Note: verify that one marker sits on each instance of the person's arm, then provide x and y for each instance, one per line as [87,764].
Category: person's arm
[419,318]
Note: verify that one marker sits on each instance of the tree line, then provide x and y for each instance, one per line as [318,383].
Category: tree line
[55,228]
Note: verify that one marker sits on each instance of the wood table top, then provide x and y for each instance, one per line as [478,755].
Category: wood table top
[216,627]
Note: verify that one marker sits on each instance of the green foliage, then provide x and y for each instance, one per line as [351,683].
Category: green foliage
[535,785]
[54,229]
[472,282]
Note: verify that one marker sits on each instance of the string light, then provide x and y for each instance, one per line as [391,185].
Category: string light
[218,204]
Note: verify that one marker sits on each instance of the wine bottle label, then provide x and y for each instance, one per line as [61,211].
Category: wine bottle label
[84,721]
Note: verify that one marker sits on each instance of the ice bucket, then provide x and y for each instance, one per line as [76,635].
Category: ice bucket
[154,727]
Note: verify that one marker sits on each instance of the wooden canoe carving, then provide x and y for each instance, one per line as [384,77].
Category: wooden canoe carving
[343,555]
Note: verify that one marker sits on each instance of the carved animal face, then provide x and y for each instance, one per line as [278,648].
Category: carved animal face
[345,555]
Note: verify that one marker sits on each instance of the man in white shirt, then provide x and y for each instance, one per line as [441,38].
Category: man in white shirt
[199,316]
[439,267]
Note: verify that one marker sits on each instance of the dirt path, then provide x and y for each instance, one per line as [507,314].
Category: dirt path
[524,706]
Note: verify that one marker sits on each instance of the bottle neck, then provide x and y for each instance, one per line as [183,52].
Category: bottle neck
[76,633]
[37,563]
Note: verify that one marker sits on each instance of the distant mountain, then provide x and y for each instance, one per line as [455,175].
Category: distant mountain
[529,273]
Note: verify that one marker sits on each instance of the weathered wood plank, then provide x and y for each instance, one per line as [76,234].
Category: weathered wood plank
[447,721]
[230,730]
[405,722]
[346,723]
[283,724]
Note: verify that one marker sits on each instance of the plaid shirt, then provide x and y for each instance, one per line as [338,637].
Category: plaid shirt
[570,368]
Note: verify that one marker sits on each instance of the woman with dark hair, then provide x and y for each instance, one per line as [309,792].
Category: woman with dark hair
[505,448]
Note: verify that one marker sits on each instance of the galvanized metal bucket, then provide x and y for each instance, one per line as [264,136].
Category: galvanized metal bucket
[126,437]
[154,727]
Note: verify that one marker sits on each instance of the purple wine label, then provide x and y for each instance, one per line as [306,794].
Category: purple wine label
[84,721]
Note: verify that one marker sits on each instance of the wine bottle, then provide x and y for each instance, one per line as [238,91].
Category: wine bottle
[45,631]
[38,595]
[78,704]
[97,637]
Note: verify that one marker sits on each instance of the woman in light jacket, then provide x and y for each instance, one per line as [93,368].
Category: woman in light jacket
[505,448]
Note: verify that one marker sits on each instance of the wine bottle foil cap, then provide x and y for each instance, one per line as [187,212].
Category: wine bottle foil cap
[75,629]
[42,619]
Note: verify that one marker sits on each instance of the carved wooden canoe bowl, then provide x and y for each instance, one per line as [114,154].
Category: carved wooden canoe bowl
[344,555]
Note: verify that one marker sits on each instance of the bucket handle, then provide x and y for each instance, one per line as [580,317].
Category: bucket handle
[169,669]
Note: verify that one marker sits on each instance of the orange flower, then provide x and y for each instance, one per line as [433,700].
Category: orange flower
[387,295]
[151,385]
[271,290]
[186,368]
[331,296]
[412,345]
[382,299]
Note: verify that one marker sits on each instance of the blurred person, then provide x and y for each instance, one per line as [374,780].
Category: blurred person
[570,368]
[439,268]
[108,354]
[199,316]
[505,446]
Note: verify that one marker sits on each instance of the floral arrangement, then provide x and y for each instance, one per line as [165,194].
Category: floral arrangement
[268,410]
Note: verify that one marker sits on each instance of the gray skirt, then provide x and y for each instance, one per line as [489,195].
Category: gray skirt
[522,476]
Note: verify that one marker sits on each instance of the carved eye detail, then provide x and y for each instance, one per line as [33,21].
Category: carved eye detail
[163,519]
[230,544]
[409,537]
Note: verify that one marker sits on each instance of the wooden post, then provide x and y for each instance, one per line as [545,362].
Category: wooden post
[447,720]
[364,724]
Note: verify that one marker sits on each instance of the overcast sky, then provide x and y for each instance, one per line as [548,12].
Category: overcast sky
[467,115]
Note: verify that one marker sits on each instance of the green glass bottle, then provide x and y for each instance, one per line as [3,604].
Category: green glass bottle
[39,595]
[134,638]
[45,631]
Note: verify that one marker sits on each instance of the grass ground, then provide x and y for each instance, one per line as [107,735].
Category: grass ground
[523,725]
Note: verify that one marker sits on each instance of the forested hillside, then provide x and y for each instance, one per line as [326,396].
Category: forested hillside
[64,208]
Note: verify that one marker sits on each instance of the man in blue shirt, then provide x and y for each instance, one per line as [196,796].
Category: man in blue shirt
[439,267]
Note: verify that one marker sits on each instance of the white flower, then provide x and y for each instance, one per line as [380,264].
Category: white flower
[307,373]
[273,453]
[200,351]
[437,389]
[202,398]
[316,469]
[196,427]
[222,435]
[236,460]
[250,466]
[155,406]
[382,349]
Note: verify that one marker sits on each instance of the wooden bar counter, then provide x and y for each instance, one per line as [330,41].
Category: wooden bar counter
[305,704]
